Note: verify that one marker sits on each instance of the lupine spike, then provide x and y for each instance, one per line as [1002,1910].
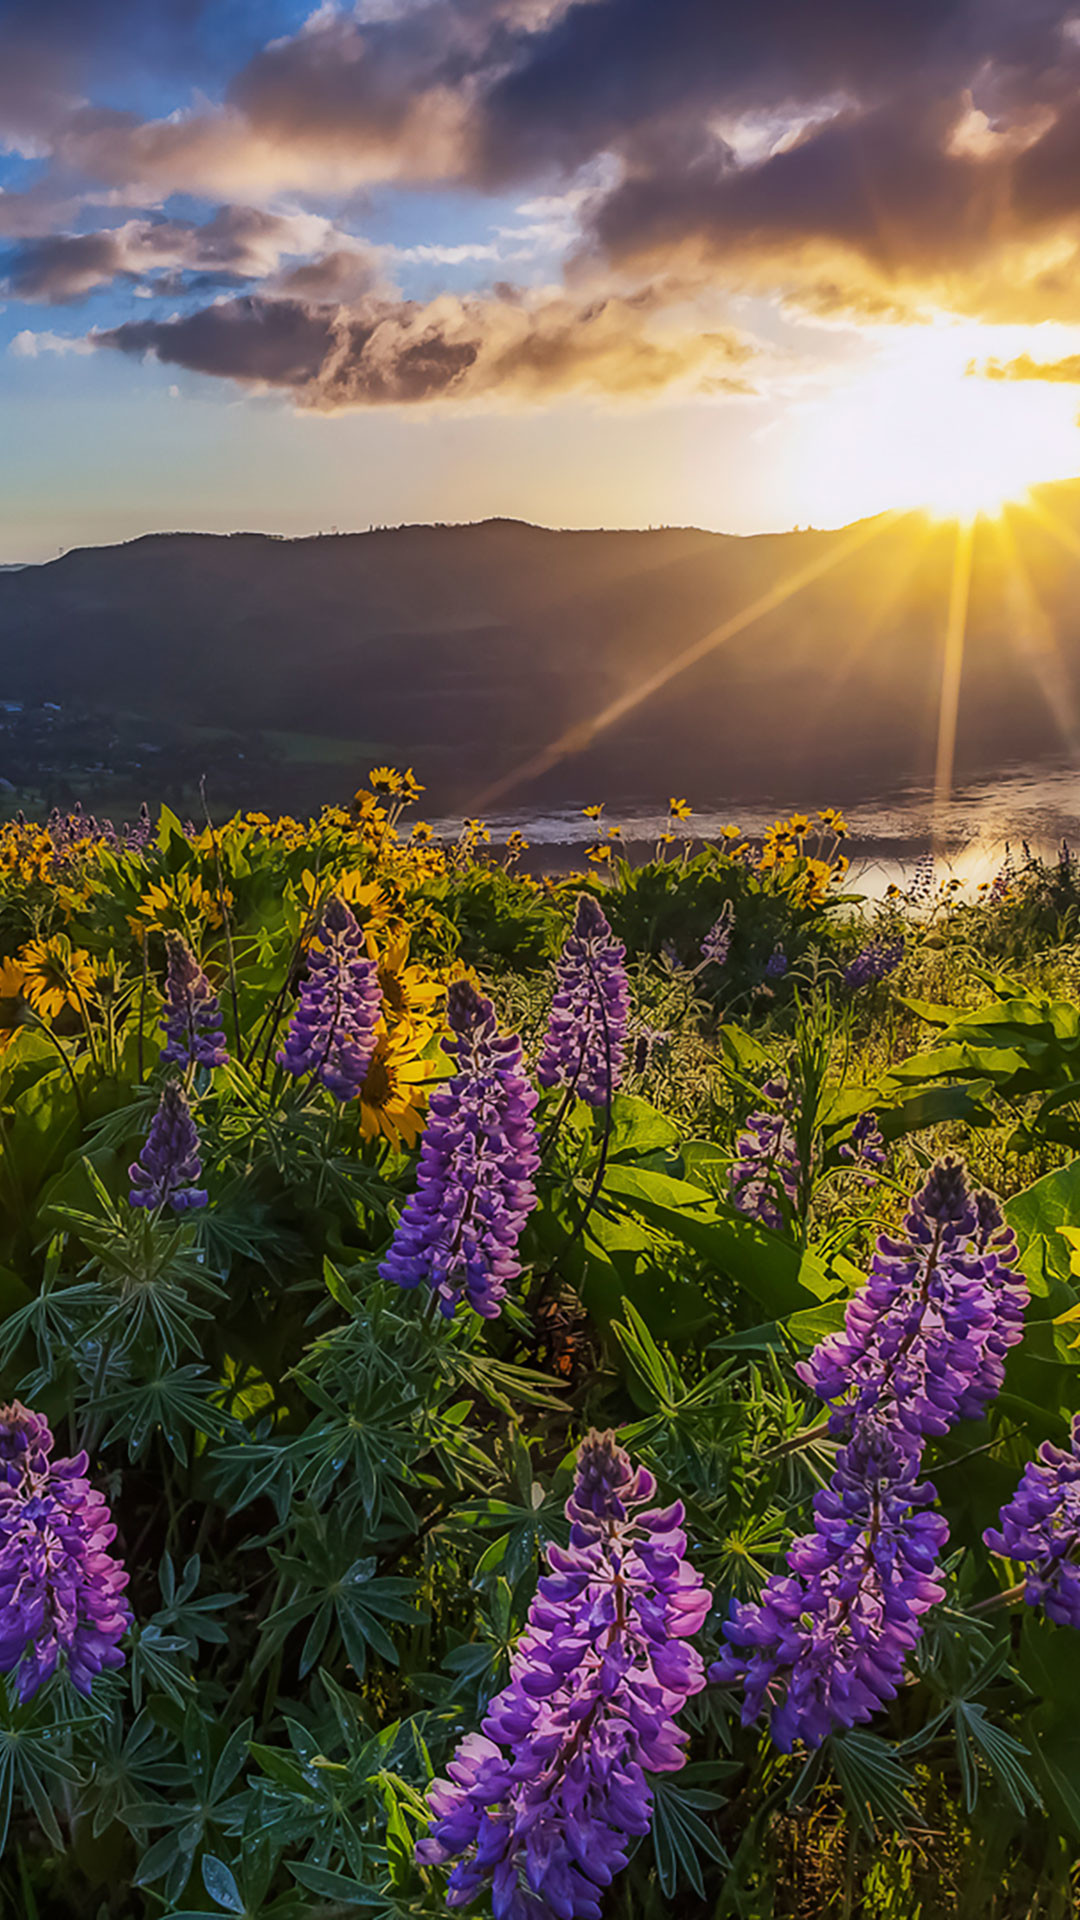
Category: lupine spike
[334,1029]
[924,1342]
[169,1167]
[923,1345]
[717,942]
[585,1044]
[874,963]
[61,1591]
[825,1646]
[764,1177]
[1040,1527]
[191,1015]
[474,1190]
[541,1804]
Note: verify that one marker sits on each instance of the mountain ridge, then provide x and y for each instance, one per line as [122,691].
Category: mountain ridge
[467,649]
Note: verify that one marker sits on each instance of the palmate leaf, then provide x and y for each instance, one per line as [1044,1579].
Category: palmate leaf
[875,1783]
[681,1838]
[332,1586]
[1002,1752]
[173,1404]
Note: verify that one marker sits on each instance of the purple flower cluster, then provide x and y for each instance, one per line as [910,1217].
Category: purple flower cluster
[717,942]
[61,1591]
[333,1031]
[923,1345]
[67,830]
[874,963]
[764,1177]
[474,1191]
[924,1342]
[826,1646]
[540,1804]
[865,1148]
[1041,1527]
[776,965]
[585,1044]
[169,1167]
[191,1015]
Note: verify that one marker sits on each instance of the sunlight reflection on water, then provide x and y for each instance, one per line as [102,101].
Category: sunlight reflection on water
[1036,805]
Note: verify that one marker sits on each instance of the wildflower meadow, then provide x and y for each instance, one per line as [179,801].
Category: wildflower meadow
[555,1399]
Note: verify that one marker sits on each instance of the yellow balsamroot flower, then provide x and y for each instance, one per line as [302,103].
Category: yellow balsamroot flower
[680,809]
[409,992]
[181,903]
[593,813]
[394,1093]
[56,975]
[12,979]
[420,833]
[365,898]
[385,781]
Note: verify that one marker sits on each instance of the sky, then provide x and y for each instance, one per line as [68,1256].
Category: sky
[583,262]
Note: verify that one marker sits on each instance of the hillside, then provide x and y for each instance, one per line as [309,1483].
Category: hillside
[467,650]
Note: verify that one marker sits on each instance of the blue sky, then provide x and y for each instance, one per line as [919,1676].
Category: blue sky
[582,261]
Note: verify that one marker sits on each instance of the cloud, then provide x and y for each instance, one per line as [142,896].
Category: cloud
[1065,372]
[507,346]
[27,345]
[236,244]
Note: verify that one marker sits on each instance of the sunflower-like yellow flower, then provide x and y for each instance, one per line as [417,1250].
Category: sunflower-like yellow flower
[56,975]
[385,781]
[409,990]
[394,1093]
[679,809]
[181,903]
[594,812]
[365,898]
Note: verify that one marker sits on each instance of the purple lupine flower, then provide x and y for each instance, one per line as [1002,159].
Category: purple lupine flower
[1003,880]
[924,1341]
[169,1166]
[764,1177]
[540,1805]
[825,1645]
[865,1148]
[585,1043]
[875,962]
[474,1190]
[717,942]
[191,1015]
[776,965]
[61,1591]
[333,1031]
[1040,1526]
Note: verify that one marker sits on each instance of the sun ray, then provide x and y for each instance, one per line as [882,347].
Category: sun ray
[575,739]
[1033,633]
[952,670]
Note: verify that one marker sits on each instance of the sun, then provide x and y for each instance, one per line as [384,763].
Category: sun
[921,427]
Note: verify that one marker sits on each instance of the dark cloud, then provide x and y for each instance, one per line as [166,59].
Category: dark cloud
[234,245]
[379,352]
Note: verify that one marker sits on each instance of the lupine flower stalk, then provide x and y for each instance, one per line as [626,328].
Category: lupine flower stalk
[191,1015]
[474,1190]
[540,1806]
[924,1342]
[168,1169]
[825,1646]
[585,1044]
[1040,1527]
[764,1177]
[875,962]
[923,1345]
[333,1032]
[61,1591]
[865,1148]
[717,942]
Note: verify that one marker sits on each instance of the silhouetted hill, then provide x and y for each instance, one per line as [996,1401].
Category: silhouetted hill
[467,650]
